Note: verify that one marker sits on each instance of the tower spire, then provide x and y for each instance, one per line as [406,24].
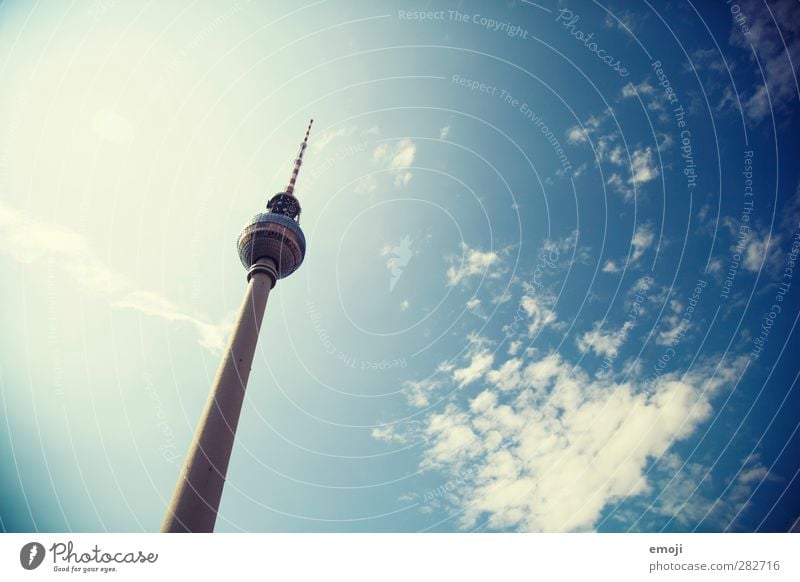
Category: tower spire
[299,161]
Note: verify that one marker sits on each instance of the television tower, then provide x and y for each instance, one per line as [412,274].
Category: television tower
[271,247]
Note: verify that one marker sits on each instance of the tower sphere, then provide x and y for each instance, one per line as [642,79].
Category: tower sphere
[275,236]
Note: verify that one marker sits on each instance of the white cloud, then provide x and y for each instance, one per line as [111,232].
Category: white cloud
[402,156]
[643,168]
[758,248]
[480,363]
[402,178]
[642,239]
[616,182]
[538,374]
[604,344]
[710,59]
[611,267]
[560,447]
[210,335]
[29,240]
[381,152]
[474,262]
[322,141]
[508,376]
[366,184]
[418,393]
[576,134]
[479,359]
[388,433]
[555,249]
[453,437]
[616,155]
[444,132]
[539,313]
[475,306]
[674,326]
[397,158]
[643,88]
[504,297]
[622,20]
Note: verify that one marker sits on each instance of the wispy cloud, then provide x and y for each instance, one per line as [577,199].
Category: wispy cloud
[643,167]
[472,263]
[686,494]
[538,311]
[212,336]
[28,240]
[479,360]
[777,54]
[322,141]
[643,88]
[622,20]
[397,158]
[640,162]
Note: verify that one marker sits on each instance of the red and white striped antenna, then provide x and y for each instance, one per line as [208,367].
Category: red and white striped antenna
[299,161]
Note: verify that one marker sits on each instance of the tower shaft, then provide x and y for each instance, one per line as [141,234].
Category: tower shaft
[195,502]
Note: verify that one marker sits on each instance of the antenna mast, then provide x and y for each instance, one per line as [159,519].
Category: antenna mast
[299,161]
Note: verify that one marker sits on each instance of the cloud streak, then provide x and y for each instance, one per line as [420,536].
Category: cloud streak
[29,240]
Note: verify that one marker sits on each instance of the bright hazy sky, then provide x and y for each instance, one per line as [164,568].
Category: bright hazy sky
[551,279]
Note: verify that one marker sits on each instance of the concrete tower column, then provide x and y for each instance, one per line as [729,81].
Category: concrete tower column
[197,495]
[271,246]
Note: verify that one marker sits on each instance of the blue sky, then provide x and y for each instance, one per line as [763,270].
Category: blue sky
[549,281]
